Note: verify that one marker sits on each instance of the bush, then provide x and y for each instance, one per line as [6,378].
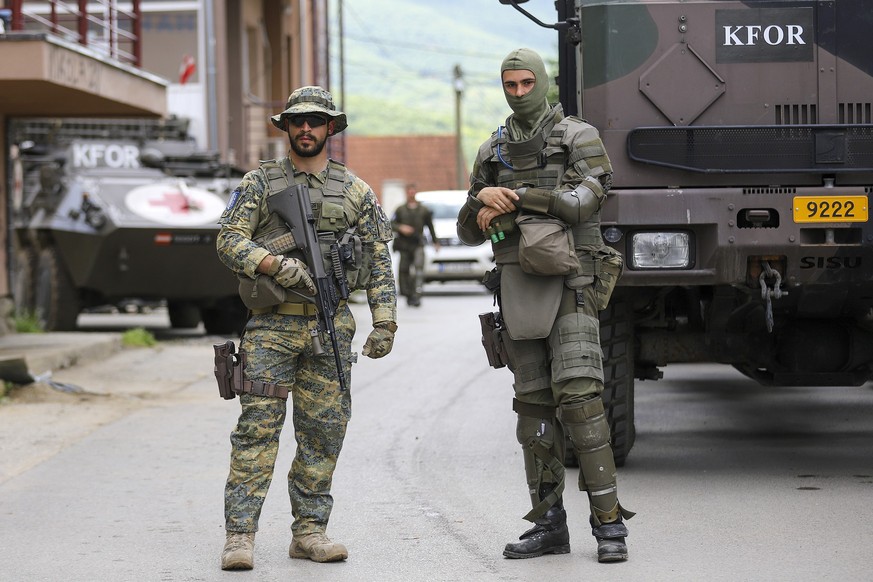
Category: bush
[27,322]
[138,337]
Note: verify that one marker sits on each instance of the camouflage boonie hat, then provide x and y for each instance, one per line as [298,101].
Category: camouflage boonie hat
[311,100]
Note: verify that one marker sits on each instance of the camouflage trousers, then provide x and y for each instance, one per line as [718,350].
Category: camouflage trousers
[279,350]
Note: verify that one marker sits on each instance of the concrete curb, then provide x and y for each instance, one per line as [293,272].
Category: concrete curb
[34,354]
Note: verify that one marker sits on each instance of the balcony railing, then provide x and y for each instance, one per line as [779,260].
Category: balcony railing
[100,25]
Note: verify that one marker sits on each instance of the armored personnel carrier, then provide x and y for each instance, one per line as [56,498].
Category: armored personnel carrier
[106,211]
[741,141]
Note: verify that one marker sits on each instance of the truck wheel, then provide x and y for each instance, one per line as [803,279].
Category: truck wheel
[183,315]
[227,317]
[616,339]
[23,281]
[55,300]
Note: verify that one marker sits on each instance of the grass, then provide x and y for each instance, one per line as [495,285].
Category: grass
[138,337]
[27,322]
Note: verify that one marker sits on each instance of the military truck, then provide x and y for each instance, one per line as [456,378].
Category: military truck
[106,211]
[741,140]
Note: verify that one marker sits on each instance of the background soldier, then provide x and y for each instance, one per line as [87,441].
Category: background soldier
[409,222]
[256,244]
[552,169]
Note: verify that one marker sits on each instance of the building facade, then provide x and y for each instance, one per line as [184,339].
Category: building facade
[225,65]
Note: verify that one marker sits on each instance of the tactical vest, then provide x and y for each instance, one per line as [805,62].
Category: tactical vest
[538,162]
[332,224]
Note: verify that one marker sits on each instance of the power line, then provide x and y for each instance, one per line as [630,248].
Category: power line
[431,48]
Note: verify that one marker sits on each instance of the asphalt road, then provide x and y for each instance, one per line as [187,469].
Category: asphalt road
[730,481]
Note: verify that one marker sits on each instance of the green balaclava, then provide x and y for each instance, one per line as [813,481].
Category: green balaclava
[529,109]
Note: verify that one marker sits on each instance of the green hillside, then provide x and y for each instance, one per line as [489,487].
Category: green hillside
[399,57]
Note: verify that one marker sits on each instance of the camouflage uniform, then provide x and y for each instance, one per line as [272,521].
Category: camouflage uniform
[279,351]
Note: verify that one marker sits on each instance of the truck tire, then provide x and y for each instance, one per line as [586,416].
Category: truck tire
[228,316]
[616,340]
[183,314]
[56,301]
[23,281]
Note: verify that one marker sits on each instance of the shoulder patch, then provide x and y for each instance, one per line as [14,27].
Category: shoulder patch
[380,212]
[232,200]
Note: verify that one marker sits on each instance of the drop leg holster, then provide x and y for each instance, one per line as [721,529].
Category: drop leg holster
[588,429]
[542,440]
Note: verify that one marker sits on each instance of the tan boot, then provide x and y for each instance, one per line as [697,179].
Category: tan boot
[318,548]
[238,551]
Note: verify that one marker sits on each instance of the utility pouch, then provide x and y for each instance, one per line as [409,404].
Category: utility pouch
[260,292]
[492,341]
[546,246]
[492,281]
[609,272]
[227,361]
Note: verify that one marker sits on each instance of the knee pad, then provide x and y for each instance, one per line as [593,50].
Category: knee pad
[539,437]
[588,429]
[539,430]
[536,435]
[575,345]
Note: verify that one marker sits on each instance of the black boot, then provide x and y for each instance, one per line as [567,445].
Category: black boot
[610,541]
[549,535]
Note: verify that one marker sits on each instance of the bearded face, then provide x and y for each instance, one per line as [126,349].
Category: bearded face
[307,142]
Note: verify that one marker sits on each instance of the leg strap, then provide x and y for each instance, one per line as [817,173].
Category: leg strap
[532,410]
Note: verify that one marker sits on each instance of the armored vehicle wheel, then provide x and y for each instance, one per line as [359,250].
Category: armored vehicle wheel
[183,315]
[227,317]
[55,301]
[616,327]
[616,339]
[23,279]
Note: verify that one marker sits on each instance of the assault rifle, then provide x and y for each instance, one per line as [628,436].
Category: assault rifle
[294,207]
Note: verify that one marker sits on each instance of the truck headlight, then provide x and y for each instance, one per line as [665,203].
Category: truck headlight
[661,250]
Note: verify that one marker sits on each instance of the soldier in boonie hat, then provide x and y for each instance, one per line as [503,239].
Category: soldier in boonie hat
[311,99]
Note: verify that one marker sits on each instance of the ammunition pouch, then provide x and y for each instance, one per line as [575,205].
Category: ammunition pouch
[261,292]
[492,340]
[610,263]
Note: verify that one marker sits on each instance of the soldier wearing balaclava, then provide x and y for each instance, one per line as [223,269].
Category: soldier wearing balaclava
[529,109]
[536,191]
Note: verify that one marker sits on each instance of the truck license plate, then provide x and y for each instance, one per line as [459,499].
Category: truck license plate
[830,209]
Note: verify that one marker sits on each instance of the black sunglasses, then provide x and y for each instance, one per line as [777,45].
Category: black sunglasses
[311,120]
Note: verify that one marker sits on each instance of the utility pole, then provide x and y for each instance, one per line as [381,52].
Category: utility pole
[341,138]
[459,91]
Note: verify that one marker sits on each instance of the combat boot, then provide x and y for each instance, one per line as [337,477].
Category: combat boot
[549,535]
[611,546]
[239,550]
[318,548]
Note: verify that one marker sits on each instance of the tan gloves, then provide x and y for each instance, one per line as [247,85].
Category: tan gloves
[380,341]
[292,274]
